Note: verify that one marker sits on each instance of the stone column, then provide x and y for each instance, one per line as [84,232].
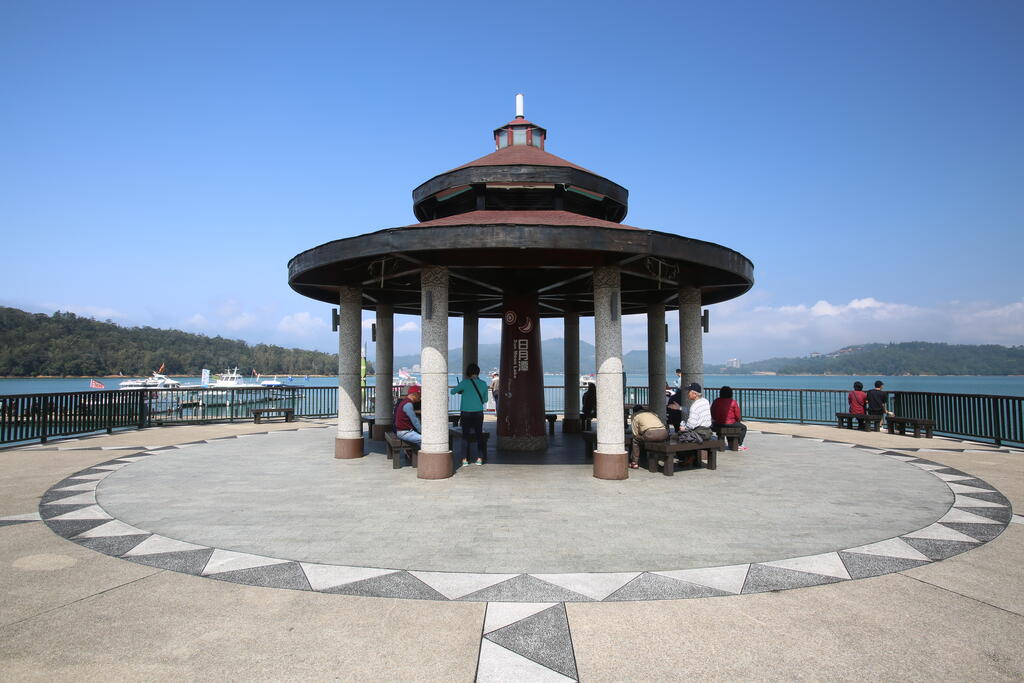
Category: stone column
[470,339]
[435,458]
[383,364]
[521,425]
[349,442]
[656,359]
[571,420]
[609,456]
[691,341]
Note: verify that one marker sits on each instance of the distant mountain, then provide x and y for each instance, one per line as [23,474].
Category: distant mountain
[64,344]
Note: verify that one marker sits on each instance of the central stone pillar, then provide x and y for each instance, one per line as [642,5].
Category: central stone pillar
[691,341]
[521,376]
[609,456]
[383,364]
[470,340]
[571,420]
[349,442]
[656,359]
[435,459]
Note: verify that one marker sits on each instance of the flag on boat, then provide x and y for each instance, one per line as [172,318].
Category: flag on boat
[404,374]
[96,384]
[289,378]
[161,368]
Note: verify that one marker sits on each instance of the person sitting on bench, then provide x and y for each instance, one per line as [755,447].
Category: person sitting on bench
[699,420]
[647,427]
[726,411]
[407,425]
[878,402]
[858,401]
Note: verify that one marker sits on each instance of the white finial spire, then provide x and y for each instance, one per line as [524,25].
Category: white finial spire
[519,106]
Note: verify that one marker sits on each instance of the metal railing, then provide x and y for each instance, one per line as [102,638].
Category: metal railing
[38,417]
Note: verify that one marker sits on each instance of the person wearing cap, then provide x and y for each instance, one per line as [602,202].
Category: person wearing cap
[699,419]
[407,425]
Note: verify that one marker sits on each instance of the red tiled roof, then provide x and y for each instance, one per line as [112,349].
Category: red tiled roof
[518,122]
[521,154]
[521,218]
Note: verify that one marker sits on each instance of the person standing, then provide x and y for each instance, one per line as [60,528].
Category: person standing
[679,378]
[495,389]
[407,425]
[471,418]
[699,419]
[726,411]
[589,405]
[647,427]
[878,402]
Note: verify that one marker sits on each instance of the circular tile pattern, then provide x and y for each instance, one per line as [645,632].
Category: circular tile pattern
[978,514]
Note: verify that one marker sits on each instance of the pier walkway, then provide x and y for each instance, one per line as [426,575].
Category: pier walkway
[246,551]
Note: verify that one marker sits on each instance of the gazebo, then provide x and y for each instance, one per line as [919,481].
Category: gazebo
[520,235]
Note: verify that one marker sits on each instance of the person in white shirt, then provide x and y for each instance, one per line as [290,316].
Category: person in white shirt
[699,419]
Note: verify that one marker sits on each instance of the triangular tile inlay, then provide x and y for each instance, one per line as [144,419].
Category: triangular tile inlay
[891,547]
[826,564]
[454,585]
[937,532]
[729,579]
[542,637]
[155,545]
[324,576]
[500,665]
[501,614]
[597,586]
[228,560]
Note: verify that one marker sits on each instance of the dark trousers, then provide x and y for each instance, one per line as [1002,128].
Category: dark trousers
[650,435]
[743,429]
[472,424]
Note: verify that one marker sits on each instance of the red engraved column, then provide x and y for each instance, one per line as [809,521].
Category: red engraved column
[521,376]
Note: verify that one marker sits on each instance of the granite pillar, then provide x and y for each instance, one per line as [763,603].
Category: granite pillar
[691,340]
[383,364]
[610,455]
[435,458]
[349,441]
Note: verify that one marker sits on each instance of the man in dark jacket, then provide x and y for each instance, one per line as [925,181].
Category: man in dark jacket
[878,402]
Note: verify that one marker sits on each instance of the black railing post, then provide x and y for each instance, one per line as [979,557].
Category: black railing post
[108,399]
[44,419]
[141,395]
[801,408]
[997,422]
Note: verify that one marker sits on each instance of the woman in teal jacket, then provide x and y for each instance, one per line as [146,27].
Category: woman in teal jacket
[474,391]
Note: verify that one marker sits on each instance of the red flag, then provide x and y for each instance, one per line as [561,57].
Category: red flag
[96,384]
[161,368]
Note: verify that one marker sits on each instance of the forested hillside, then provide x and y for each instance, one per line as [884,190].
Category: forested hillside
[910,358]
[66,344]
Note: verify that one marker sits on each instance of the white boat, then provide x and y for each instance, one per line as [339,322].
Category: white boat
[157,381]
[587,379]
[218,395]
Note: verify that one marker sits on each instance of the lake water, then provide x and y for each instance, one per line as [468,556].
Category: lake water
[995,386]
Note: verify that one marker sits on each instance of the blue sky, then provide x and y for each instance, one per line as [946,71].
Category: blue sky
[161,162]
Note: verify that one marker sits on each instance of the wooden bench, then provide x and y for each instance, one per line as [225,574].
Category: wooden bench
[395,449]
[731,435]
[551,418]
[845,420]
[899,424]
[454,433]
[669,449]
[259,413]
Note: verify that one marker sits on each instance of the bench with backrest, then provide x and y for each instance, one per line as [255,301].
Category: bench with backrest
[396,447]
[730,434]
[899,424]
[259,413]
[668,450]
[872,422]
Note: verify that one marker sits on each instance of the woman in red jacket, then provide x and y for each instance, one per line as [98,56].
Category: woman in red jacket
[726,411]
[858,400]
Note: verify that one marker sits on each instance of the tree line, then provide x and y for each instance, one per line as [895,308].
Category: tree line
[64,344]
[909,358]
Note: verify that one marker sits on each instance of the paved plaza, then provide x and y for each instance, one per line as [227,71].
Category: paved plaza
[243,551]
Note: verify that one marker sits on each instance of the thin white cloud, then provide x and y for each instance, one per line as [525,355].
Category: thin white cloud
[302,324]
[407,327]
[241,321]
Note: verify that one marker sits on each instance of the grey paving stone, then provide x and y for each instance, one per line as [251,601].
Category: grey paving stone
[998,514]
[982,532]
[184,561]
[862,566]
[68,528]
[939,550]
[287,575]
[656,587]
[113,545]
[48,511]
[525,588]
[53,496]
[397,585]
[12,522]
[761,579]
[543,637]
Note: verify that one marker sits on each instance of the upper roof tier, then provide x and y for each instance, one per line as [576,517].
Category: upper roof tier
[520,176]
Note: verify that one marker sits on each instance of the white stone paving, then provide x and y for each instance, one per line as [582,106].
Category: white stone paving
[729,578]
[592,584]
[501,614]
[155,545]
[91,512]
[937,532]
[228,561]
[891,547]
[454,585]
[826,564]
[499,665]
[112,528]
[324,576]
[964,517]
